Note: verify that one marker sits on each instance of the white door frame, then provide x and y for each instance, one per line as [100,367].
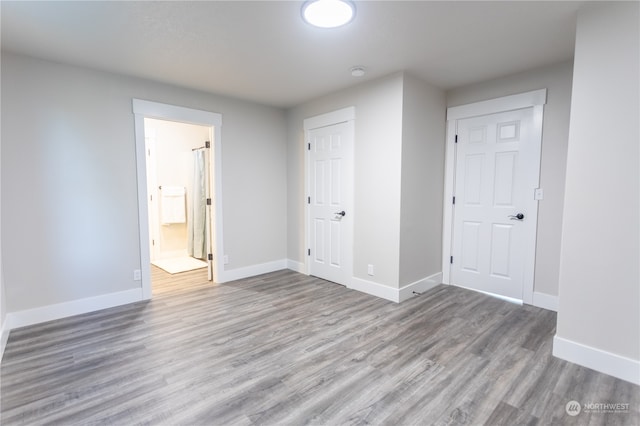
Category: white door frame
[146,109]
[535,99]
[335,117]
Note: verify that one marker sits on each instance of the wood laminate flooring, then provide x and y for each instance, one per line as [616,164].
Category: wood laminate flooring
[288,349]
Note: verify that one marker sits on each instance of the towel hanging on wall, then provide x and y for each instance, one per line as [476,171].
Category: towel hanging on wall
[172,205]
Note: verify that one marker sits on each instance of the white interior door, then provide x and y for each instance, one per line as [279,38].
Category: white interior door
[495,211]
[330,202]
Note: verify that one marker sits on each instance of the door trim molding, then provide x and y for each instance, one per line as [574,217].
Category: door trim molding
[502,104]
[330,118]
[534,99]
[343,115]
[146,109]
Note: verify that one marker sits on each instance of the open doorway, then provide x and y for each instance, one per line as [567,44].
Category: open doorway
[179,188]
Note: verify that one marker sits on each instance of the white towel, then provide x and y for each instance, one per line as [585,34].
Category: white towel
[173,205]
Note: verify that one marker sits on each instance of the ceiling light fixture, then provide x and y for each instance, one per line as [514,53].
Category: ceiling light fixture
[328,13]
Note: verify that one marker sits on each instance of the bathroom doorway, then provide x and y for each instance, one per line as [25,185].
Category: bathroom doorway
[178,188]
[160,156]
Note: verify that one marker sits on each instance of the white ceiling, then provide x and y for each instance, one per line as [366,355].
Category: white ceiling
[263,51]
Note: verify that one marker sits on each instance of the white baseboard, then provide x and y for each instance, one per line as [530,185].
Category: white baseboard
[375,289]
[251,271]
[296,266]
[396,294]
[73,307]
[545,301]
[605,362]
[420,286]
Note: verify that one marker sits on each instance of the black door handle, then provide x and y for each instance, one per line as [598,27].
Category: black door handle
[518,216]
[342,213]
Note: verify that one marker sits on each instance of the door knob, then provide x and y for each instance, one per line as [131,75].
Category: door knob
[342,213]
[518,216]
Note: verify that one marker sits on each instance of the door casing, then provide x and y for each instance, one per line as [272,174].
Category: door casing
[142,109]
[535,99]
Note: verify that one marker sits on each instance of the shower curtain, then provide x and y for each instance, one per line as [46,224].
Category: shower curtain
[196,228]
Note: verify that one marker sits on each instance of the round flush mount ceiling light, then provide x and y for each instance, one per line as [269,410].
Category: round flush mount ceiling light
[328,13]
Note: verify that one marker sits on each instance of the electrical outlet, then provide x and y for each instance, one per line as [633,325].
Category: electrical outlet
[225,259]
[370,270]
[137,275]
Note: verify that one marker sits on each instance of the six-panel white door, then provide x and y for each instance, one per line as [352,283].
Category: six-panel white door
[494,185]
[330,202]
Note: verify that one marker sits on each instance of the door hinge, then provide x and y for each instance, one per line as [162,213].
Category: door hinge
[308,200]
[207,144]
[308,252]
[454,200]
[451,260]
[149,152]
[309,146]
[153,242]
[210,256]
[456,139]
[208,201]
[150,197]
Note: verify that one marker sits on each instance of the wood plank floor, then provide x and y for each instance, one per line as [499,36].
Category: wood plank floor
[287,349]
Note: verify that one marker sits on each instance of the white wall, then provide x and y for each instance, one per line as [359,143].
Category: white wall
[4,330]
[599,316]
[377,153]
[399,167]
[555,134]
[69,211]
[423,146]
